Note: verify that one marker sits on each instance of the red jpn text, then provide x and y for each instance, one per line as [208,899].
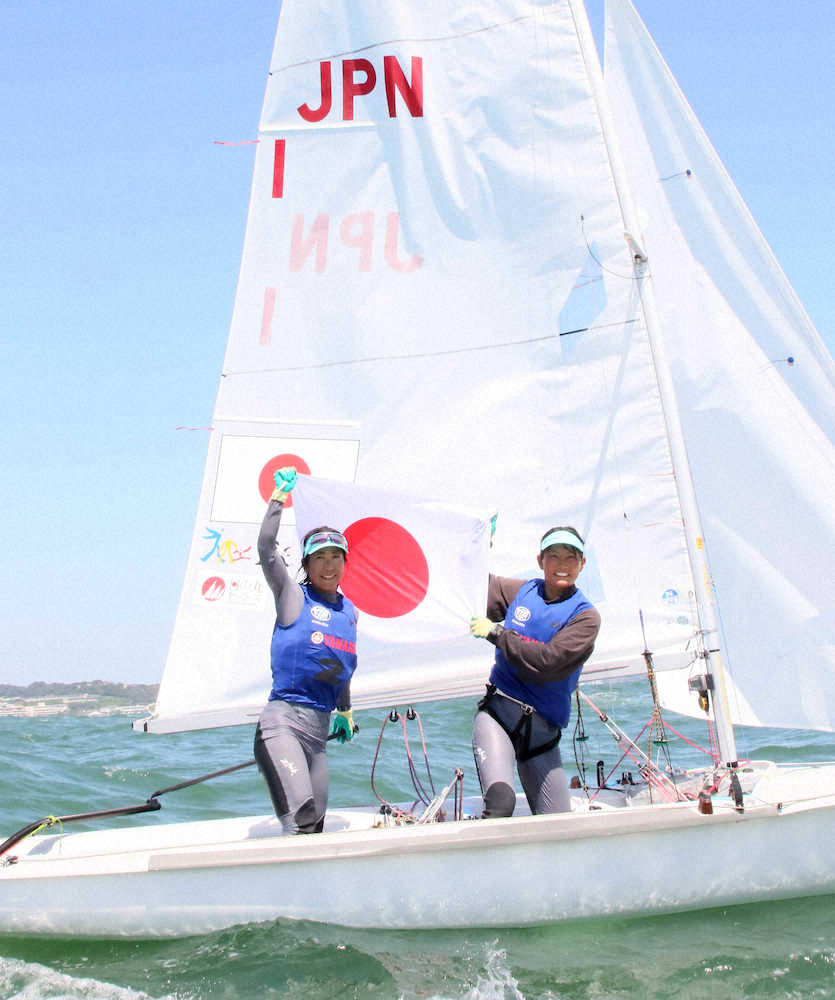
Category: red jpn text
[359,78]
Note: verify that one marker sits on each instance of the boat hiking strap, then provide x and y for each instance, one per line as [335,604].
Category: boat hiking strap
[520,735]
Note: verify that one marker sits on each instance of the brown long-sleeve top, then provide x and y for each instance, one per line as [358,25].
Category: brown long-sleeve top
[541,662]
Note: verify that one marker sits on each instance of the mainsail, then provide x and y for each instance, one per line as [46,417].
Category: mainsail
[437,295]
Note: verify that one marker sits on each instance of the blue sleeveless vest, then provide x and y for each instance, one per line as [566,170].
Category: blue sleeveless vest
[536,621]
[313,659]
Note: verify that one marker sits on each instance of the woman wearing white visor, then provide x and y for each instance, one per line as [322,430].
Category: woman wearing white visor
[544,631]
[313,656]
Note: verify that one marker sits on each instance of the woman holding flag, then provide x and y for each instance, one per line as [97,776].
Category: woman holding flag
[544,631]
[313,656]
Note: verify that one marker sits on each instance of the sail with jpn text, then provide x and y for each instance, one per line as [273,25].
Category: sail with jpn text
[437,296]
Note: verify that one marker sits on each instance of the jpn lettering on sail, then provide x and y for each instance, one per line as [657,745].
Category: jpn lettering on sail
[416,572]
[421,271]
[426,270]
[756,396]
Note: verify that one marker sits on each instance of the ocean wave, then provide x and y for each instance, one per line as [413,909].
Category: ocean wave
[21,980]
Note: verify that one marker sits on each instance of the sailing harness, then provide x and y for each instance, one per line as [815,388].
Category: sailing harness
[520,734]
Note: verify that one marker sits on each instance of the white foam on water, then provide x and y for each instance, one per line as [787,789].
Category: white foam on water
[29,981]
[495,983]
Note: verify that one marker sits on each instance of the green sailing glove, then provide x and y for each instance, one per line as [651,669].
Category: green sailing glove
[285,480]
[481,627]
[342,726]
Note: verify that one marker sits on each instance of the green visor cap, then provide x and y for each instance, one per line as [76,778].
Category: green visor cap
[561,537]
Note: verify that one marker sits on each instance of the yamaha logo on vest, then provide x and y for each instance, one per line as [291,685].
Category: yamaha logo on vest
[317,638]
[521,615]
[320,614]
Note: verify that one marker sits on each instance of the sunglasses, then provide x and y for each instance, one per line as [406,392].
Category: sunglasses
[322,539]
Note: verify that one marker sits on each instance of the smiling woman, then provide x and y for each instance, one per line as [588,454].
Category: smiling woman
[561,560]
[324,552]
[543,631]
[313,657]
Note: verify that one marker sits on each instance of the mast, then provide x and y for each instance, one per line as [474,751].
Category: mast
[709,630]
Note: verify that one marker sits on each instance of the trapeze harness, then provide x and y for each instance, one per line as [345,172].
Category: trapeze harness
[520,734]
[535,620]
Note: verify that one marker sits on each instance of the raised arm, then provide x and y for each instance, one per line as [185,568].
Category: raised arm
[287,594]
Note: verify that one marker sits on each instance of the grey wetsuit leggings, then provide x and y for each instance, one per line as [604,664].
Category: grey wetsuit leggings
[542,776]
[290,743]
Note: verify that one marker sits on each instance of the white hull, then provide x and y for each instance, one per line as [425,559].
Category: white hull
[194,878]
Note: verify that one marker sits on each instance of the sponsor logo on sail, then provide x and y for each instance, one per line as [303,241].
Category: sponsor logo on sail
[246,592]
[213,588]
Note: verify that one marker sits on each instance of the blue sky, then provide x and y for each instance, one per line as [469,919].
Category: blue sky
[121,235]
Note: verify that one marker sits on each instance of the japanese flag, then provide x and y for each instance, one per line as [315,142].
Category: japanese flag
[416,572]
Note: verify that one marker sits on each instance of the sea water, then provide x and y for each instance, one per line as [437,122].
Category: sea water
[65,765]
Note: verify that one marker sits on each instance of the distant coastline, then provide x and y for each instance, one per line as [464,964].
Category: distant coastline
[76,698]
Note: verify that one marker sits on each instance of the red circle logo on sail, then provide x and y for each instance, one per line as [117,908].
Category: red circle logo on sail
[213,588]
[266,479]
[386,574]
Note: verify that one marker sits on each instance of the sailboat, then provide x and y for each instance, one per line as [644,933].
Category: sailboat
[479,266]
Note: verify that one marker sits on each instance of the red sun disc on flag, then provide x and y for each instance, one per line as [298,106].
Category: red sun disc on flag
[386,574]
[266,479]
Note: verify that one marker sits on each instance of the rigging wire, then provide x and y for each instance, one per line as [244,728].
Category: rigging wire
[426,354]
[579,736]
[655,726]
[649,771]
[402,41]
[432,804]
[660,780]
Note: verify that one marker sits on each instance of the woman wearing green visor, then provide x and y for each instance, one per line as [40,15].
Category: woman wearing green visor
[313,656]
[544,631]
